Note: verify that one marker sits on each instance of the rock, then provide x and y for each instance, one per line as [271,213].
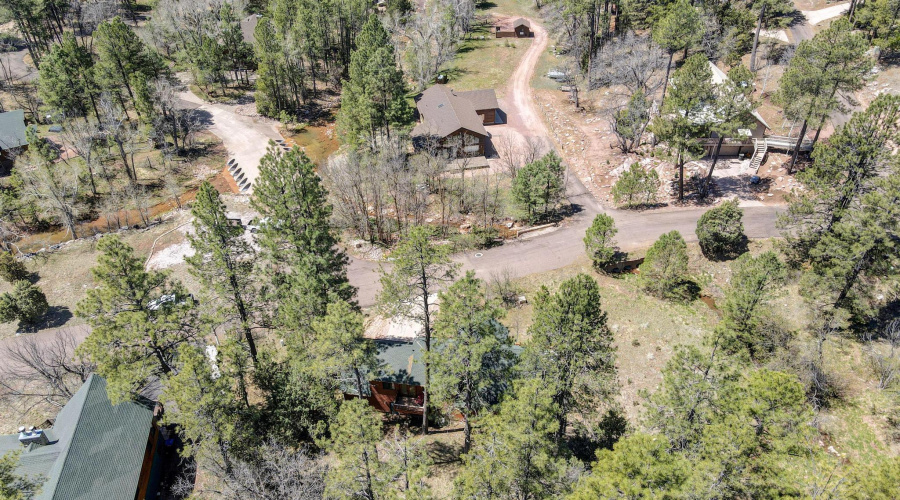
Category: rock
[651,356]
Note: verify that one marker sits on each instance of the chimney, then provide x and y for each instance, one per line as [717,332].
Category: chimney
[32,436]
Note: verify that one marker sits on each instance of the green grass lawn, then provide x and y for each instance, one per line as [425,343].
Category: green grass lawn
[547,62]
[483,61]
[522,8]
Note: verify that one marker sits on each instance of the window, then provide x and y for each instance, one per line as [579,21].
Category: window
[407,390]
[387,386]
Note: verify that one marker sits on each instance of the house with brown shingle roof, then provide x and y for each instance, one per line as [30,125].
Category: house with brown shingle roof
[456,120]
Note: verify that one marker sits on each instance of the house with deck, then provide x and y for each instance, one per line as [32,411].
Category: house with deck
[93,450]
[455,120]
[396,386]
[745,142]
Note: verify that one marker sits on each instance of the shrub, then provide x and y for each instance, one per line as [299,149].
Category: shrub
[636,186]
[720,231]
[665,268]
[11,269]
[598,241]
[26,303]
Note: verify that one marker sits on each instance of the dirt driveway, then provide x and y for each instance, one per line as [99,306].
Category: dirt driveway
[245,137]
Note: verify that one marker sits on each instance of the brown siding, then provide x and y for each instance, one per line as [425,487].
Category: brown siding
[382,398]
[489,116]
[149,453]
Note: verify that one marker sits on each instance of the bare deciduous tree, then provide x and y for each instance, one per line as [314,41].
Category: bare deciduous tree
[632,61]
[278,472]
[118,130]
[432,43]
[81,136]
[886,365]
[41,370]
[53,186]
[514,153]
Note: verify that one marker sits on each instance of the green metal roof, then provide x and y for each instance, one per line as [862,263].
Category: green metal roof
[99,447]
[400,362]
[12,129]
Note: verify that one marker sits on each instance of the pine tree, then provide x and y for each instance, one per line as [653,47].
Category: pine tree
[681,123]
[339,349]
[205,407]
[223,262]
[121,54]
[755,281]
[842,170]
[472,354]
[11,268]
[833,63]
[770,14]
[359,472]
[138,320]
[66,83]
[26,303]
[679,29]
[14,486]
[636,186]
[420,268]
[513,455]
[734,105]
[639,466]
[720,230]
[843,228]
[571,350]
[374,97]
[598,240]
[299,246]
[664,270]
[538,186]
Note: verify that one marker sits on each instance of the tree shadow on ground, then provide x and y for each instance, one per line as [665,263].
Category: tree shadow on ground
[444,453]
[741,248]
[203,117]
[55,317]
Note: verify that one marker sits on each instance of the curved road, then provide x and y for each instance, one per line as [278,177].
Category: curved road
[559,247]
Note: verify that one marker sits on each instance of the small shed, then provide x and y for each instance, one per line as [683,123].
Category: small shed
[522,28]
[518,28]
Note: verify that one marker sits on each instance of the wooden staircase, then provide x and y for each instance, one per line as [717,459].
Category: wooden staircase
[760,147]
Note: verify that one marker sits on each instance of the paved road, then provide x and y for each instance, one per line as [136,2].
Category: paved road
[562,246]
[13,64]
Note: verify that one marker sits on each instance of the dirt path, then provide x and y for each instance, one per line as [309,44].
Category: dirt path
[522,113]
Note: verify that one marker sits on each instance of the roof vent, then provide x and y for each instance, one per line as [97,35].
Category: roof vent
[32,435]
